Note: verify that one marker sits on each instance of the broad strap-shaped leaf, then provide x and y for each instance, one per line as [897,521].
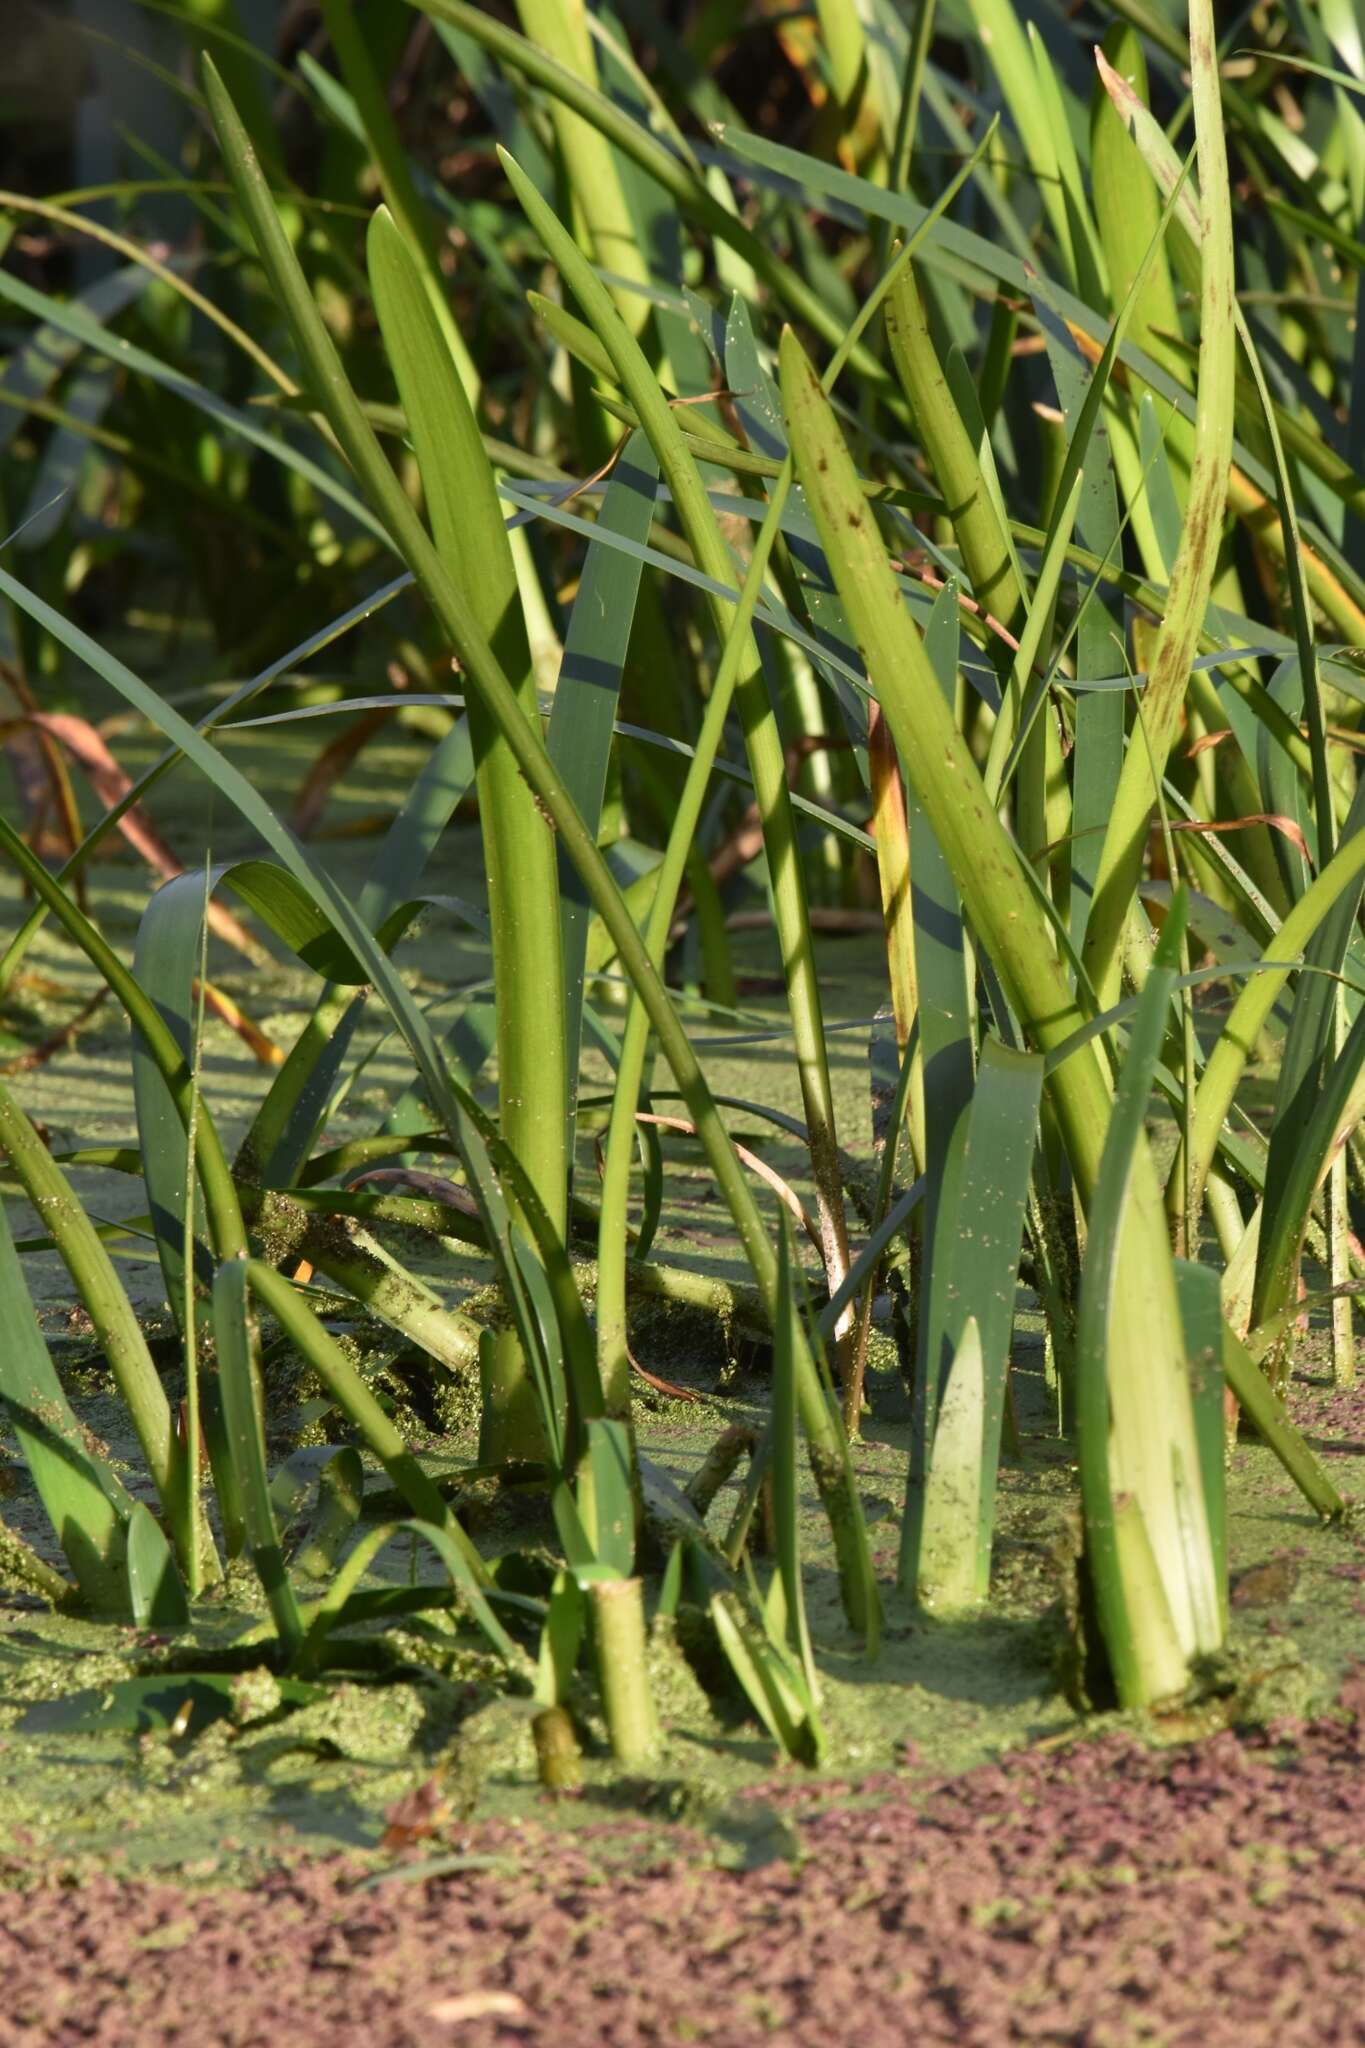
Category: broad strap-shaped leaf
[950,1512]
[520,855]
[971,1273]
[771,1679]
[1146,1346]
[582,721]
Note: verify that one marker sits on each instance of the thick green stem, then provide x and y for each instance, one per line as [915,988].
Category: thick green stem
[763,741]
[560,29]
[288,1232]
[519,851]
[618,1614]
[395,176]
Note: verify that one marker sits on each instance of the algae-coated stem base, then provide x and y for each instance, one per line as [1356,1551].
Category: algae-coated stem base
[618,1612]
[559,1759]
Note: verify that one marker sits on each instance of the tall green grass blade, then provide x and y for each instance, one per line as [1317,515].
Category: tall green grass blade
[85,1502]
[1339,881]
[559,28]
[1193,571]
[560,1640]
[344,1602]
[286,1126]
[956,250]
[946,1050]
[769,1677]
[1302,1161]
[610,1521]
[72,320]
[360,1407]
[239,1385]
[1201,1312]
[39,362]
[487,677]
[633,139]
[582,722]
[1128,213]
[786,1503]
[1309,1045]
[987,551]
[1002,35]
[107,303]
[114,1323]
[165,963]
[455,1108]
[1266,1414]
[219,712]
[1087,255]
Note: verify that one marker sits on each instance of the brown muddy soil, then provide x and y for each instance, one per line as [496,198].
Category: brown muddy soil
[1098,1894]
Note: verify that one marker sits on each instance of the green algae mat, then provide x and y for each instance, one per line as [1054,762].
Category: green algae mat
[123,1751]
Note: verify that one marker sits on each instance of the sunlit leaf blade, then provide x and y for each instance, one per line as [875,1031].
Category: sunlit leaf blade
[156,1596]
[971,1275]
[951,1514]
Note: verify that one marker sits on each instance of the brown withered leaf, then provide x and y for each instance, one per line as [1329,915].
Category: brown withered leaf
[416,1816]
